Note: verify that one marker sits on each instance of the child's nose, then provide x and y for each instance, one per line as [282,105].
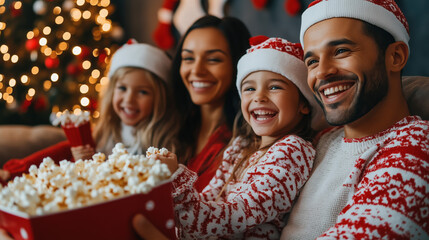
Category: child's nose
[260,96]
[129,96]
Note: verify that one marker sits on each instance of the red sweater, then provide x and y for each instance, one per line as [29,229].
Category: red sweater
[208,160]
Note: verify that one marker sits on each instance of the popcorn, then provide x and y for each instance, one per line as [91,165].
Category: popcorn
[77,127]
[67,118]
[155,151]
[51,188]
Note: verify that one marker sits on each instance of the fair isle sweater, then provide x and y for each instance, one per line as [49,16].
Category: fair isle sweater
[252,207]
[376,187]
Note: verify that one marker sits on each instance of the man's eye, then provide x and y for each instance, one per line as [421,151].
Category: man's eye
[341,50]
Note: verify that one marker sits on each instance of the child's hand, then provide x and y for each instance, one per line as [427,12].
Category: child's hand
[170,160]
[4,175]
[82,152]
[4,235]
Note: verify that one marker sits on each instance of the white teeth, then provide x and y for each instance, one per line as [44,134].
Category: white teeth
[261,118]
[129,111]
[336,89]
[201,84]
[262,112]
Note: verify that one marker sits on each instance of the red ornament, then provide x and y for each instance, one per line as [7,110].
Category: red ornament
[25,105]
[259,4]
[102,58]
[15,12]
[74,69]
[93,104]
[86,51]
[52,62]
[32,44]
[292,7]
[40,104]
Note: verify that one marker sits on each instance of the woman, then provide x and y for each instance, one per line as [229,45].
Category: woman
[203,74]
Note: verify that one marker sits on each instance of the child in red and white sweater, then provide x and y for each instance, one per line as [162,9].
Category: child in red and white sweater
[264,167]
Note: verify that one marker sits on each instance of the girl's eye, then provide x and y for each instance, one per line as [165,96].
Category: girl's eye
[247,89]
[122,88]
[275,87]
[144,92]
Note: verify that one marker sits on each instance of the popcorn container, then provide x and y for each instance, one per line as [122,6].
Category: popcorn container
[107,220]
[80,135]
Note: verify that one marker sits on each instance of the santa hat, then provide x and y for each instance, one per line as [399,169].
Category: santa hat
[140,55]
[384,14]
[282,57]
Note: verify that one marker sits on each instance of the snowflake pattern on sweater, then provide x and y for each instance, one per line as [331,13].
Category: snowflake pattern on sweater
[253,207]
[386,191]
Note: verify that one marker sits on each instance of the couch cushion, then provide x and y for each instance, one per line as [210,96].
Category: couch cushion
[416,90]
[18,141]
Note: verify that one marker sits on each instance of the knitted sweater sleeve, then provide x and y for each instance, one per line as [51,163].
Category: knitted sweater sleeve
[391,200]
[266,191]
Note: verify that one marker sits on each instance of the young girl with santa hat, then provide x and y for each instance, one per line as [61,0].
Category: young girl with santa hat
[268,161]
[136,110]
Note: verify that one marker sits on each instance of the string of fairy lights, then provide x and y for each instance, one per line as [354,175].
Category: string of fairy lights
[39,43]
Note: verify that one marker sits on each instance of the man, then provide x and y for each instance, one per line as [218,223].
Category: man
[370,179]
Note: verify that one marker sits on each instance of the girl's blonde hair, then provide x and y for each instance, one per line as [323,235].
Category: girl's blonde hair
[157,130]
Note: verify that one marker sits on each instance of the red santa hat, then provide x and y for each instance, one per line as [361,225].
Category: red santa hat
[282,57]
[140,55]
[381,13]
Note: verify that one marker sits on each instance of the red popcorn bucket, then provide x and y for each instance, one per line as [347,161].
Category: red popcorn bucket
[108,220]
[79,136]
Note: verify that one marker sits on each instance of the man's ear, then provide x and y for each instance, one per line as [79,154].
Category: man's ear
[396,56]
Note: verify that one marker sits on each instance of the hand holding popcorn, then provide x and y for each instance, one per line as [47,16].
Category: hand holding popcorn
[166,157]
[77,127]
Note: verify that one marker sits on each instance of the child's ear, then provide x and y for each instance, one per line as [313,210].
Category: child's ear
[304,109]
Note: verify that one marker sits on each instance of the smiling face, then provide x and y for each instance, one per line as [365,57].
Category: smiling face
[133,97]
[345,71]
[206,67]
[271,105]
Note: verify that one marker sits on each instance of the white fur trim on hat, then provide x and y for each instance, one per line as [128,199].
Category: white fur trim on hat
[358,9]
[143,56]
[286,65]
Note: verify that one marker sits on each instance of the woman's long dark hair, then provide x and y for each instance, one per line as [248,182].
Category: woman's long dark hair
[237,36]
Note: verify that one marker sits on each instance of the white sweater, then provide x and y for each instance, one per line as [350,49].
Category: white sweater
[368,188]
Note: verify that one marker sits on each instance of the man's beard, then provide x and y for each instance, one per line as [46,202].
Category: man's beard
[374,89]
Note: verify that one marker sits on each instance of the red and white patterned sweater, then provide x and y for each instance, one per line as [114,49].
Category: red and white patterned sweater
[253,207]
[376,187]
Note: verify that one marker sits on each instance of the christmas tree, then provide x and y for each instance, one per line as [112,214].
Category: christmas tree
[53,56]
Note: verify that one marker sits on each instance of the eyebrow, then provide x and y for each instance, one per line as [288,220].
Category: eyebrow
[271,80]
[208,51]
[331,44]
